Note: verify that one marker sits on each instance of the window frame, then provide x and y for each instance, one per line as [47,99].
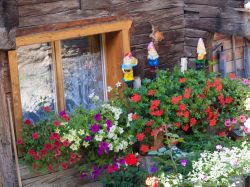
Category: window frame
[115,43]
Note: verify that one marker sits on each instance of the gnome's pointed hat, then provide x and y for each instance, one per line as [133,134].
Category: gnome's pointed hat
[201,50]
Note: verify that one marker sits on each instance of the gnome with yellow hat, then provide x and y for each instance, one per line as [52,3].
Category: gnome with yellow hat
[201,51]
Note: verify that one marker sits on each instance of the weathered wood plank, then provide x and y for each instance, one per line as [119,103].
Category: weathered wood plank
[48,8]
[7,172]
[28,2]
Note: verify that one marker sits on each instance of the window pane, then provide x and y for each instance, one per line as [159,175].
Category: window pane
[36,79]
[83,71]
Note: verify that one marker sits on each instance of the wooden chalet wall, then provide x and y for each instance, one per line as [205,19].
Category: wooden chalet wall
[205,17]
[8,24]
[165,15]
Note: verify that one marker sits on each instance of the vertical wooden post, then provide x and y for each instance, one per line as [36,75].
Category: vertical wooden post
[7,172]
[16,96]
[57,62]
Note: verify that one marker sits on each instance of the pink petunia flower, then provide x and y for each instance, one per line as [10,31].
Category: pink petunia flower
[227,122]
[242,119]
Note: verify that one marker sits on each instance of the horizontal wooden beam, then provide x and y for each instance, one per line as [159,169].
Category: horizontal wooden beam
[73,32]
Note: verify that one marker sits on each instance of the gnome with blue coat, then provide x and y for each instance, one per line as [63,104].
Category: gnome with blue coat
[153,59]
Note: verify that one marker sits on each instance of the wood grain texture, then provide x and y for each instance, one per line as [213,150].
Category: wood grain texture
[7,172]
[16,96]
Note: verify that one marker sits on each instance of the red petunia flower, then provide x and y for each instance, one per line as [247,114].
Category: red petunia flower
[32,152]
[50,167]
[72,161]
[35,135]
[182,80]
[65,117]
[48,146]
[131,160]
[135,98]
[73,155]
[186,114]
[154,148]
[135,117]
[57,144]
[193,121]
[222,134]
[186,127]
[209,84]
[37,157]
[151,92]
[144,148]
[147,130]
[27,122]
[57,123]
[64,165]
[57,153]
[229,100]
[140,136]
[54,136]
[182,107]
[187,95]
[66,143]
[177,125]
[19,141]
[110,169]
[202,96]
[47,109]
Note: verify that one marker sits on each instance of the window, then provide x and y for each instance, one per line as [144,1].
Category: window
[63,67]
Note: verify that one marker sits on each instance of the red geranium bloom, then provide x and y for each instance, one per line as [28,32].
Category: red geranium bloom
[47,109]
[57,123]
[43,152]
[140,136]
[50,167]
[131,160]
[151,92]
[66,143]
[27,122]
[229,100]
[218,87]
[19,141]
[186,114]
[202,96]
[182,80]
[64,165]
[179,113]
[177,125]
[48,146]
[212,122]
[222,134]
[185,128]
[154,148]
[209,84]
[35,135]
[182,107]
[32,152]
[150,123]
[65,117]
[187,95]
[144,148]
[135,117]
[147,130]
[57,144]
[157,113]
[135,98]
[232,76]
[193,121]
[156,103]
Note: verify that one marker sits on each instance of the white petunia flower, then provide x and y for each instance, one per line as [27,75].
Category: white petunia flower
[109,89]
[118,84]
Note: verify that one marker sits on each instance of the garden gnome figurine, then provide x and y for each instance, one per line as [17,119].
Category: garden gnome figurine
[201,51]
[152,59]
[127,68]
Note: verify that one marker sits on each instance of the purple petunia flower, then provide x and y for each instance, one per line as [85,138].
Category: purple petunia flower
[153,169]
[104,145]
[245,81]
[122,161]
[109,125]
[62,113]
[95,128]
[184,162]
[96,172]
[88,138]
[98,117]
[100,151]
